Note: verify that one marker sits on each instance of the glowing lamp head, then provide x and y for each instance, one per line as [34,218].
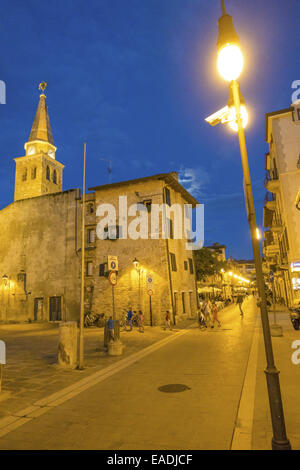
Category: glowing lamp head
[135,263]
[230,57]
[232,120]
[230,62]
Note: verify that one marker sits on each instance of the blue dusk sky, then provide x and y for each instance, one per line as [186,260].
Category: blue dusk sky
[135,80]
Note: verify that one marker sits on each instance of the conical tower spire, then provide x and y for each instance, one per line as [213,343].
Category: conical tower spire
[41,129]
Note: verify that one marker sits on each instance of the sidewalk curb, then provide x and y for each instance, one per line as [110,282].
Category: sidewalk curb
[242,435]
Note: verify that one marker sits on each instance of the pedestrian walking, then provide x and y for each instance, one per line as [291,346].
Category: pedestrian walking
[207,312]
[215,315]
[167,321]
[201,320]
[141,322]
[239,301]
[129,319]
[110,329]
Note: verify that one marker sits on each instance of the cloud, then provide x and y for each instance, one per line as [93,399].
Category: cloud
[194,180]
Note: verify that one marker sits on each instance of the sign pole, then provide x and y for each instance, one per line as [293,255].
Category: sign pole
[113,303]
[1,375]
[151,323]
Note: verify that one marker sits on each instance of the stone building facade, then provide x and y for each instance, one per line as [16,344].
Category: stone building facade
[281,217]
[40,244]
[168,261]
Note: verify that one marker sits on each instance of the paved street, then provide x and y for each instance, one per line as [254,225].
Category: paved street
[184,389]
[129,410]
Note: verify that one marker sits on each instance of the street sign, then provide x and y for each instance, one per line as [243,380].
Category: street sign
[112,262]
[150,279]
[150,292]
[112,278]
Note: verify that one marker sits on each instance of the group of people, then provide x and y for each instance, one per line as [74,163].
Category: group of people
[129,322]
[208,314]
[130,317]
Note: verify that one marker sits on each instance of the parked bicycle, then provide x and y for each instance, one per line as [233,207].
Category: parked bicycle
[94,319]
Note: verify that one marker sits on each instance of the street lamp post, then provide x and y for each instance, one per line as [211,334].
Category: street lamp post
[136,264]
[6,282]
[230,64]
[82,297]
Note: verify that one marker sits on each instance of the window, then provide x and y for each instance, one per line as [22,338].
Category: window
[33,173]
[148,204]
[173,262]
[114,232]
[90,209]
[102,269]
[191,266]
[91,235]
[89,268]
[169,229]
[168,196]
[54,177]
[24,175]
[183,302]
[185,265]
[48,173]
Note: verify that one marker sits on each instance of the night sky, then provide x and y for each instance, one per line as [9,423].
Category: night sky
[135,80]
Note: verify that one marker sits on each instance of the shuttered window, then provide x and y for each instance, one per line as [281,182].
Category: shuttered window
[102,269]
[168,196]
[173,262]
[89,268]
[91,235]
[191,266]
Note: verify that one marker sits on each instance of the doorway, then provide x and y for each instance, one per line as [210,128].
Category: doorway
[55,309]
[38,312]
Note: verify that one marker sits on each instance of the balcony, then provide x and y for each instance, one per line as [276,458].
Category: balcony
[270,201]
[272,250]
[272,181]
[277,228]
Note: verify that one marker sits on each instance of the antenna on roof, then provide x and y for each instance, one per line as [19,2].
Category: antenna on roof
[109,168]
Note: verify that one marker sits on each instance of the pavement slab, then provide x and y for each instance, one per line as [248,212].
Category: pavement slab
[128,411]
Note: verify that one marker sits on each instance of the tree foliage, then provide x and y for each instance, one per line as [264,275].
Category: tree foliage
[207,263]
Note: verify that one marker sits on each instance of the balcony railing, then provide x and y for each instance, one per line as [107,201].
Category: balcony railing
[271,180]
[269,197]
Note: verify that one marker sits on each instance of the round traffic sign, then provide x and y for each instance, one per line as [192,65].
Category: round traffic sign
[150,291]
[112,278]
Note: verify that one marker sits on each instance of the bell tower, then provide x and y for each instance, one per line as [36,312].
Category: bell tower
[38,173]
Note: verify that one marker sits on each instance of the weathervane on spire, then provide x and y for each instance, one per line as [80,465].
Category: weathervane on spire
[42,86]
